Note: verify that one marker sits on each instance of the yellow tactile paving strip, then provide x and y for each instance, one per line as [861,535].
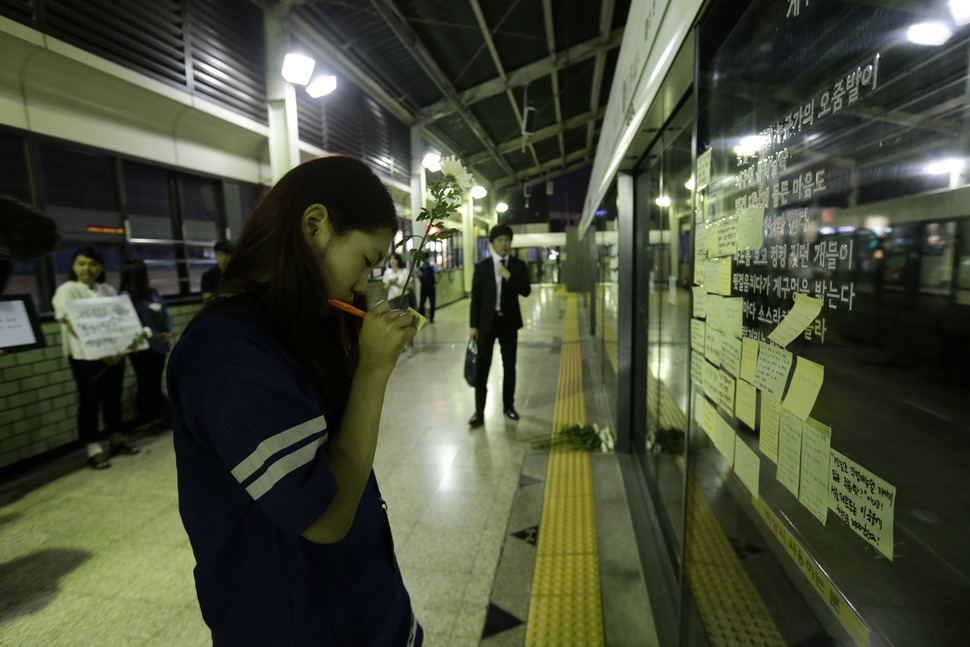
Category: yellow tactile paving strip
[731,608]
[565,608]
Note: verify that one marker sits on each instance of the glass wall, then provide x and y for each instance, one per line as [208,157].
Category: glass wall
[831,321]
[125,208]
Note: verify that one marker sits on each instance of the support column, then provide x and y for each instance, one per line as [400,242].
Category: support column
[468,242]
[419,186]
[284,137]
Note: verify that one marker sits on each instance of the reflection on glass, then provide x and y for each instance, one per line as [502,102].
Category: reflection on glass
[853,145]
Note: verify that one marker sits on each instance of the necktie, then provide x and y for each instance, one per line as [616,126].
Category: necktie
[504,296]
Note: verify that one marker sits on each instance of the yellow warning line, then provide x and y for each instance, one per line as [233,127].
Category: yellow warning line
[731,608]
[565,608]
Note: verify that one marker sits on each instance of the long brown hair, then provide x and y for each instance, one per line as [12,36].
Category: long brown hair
[272,246]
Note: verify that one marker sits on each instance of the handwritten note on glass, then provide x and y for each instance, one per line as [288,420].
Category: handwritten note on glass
[724,439]
[789,451]
[806,382]
[749,358]
[746,403]
[865,502]
[770,420]
[813,491]
[751,228]
[771,371]
[747,466]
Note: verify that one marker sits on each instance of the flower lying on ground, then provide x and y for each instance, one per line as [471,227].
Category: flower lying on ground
[579,437]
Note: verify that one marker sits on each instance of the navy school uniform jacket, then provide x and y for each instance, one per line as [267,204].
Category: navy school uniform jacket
[250,435]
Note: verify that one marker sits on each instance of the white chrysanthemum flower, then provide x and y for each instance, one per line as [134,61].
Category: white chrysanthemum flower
[146,331]
[154,307]
[452,168]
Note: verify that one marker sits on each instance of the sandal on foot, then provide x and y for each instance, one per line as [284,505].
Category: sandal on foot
[99,461]
[123,448]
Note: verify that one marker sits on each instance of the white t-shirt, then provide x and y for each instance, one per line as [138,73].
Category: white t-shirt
[394,277]
[68,292]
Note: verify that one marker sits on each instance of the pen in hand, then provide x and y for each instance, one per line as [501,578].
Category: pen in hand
[346,307]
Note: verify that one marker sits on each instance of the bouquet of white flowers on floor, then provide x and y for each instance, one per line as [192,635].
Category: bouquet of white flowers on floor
[579,437]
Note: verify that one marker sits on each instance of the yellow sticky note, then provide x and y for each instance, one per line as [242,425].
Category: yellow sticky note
[709,423]
[724,439]
[746,403]
[865,502]
[747,466]
[770,417]
[724,278]
[725,392]
[813,491]
[751,228]
[697,335]
[805,385]
[712,241]
[798,318]
[712,275]
[727,236]
[771,371]
[749,358]
[789,451]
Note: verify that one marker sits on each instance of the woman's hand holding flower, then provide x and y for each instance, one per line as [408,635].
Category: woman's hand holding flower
[383,336]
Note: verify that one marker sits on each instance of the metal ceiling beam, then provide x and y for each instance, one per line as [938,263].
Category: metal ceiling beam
[554,77]
[542,134]
[525,75]
[398,24]
[572,162]
[606,19]
[487,35]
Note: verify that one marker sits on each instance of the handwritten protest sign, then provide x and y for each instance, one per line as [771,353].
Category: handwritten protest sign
[105,326]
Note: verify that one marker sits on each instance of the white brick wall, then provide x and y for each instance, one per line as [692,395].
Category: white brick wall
[38,399]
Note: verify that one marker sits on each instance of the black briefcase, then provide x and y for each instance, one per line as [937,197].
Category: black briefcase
[471,362]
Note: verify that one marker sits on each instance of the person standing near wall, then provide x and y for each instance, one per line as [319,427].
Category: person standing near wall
[429,274]
[149,363]
[497,283]
[212,277]
[395,276]
[99,382]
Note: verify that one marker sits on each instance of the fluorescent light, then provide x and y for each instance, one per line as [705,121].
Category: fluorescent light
[952,165]
[432,162]
[322,85]
[929,33]
[689,184]
[961,11]
[479,192]
[663,201]
[501,207]
[297,68]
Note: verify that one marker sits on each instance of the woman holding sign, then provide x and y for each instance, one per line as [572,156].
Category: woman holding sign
[98,381]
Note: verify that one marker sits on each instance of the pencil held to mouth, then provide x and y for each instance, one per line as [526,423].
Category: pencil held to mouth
[346,307]
[419,319]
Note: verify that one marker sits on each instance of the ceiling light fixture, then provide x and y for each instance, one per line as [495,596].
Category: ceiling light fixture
[297,68]
[479,192]
[322,85]
[432,162]
[929,33]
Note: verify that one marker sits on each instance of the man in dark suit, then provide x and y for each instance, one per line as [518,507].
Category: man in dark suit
[496,285]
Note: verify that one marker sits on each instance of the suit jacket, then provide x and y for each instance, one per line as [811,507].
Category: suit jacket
[482,314]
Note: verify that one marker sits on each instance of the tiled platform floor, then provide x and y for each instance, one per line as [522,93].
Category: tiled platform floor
[100,558]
